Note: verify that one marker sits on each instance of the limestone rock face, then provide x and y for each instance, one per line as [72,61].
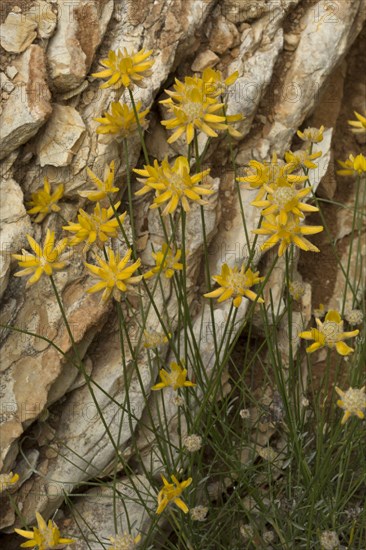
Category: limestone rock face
[286,54]
[80,29]
[14,225]
[61,138]
[17,33]
[28,106]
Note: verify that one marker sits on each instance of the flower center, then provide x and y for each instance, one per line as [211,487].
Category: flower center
[126,65]
[283,195]
[300,155]
[124,542]
[47,538]
[43,261]
[172,492]
[176,181]
[331,330]
[237,282]
[192,110]
[354,400]
[174,378]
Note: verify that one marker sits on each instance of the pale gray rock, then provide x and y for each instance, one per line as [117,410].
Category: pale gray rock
[11,71]
[42,14]
[36,310]
[205,59]
[5,84]
[62,137]
[322,45]
[223,35]
[29,105]
[80,29]
[291,41]
[14,225]
[17,33]
[96,508]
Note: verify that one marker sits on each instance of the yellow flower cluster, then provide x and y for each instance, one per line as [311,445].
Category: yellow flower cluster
[115,274]
[104,188]
[45,536]
[195,105]
[124,70]
[43,201]
[235,283]
[329,334]
[176,378]
[44,260]
[98,227]
[353,402]
[280,194]
[171,492]
[173,185]
[167,262]
[121,121]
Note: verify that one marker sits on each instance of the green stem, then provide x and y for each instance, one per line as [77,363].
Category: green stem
[354,219]
[205,250]
[129,191]
[81,364]
[141,133]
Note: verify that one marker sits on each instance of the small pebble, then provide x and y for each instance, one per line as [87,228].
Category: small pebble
[11,71]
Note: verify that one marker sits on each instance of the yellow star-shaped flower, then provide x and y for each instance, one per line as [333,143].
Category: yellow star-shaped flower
[353,402]
[97,227]
[121,121]
[44,260]
[353,166]
[192,110]
[167,262]
[274,173]
[281,200]
[235,284]
[171,492]
[43,201]
[289,233]
[176,378]
[329,334]
[44,536]
[104,188]
[312,135]
[125,70]
[173,185]
[359,125]
[302,159]
[115,275]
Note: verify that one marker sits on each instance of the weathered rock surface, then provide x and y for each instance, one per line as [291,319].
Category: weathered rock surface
[97,510]
[44,16]
[223,35]
[17,33]
[80,29]
[62,137]
[14,225]
[28,106]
